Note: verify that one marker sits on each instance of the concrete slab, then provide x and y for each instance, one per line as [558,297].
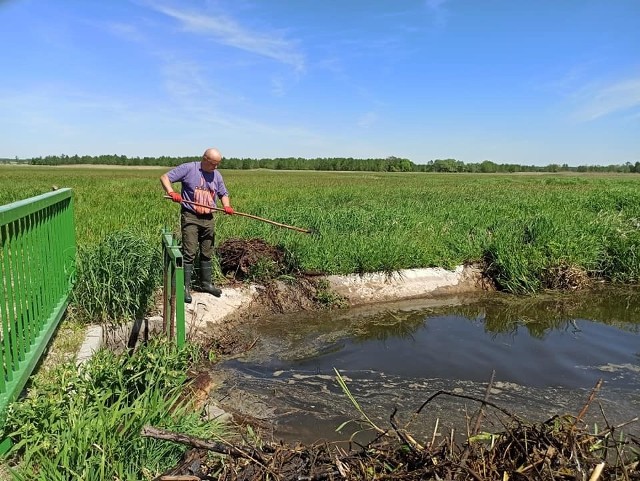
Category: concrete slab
[404,284]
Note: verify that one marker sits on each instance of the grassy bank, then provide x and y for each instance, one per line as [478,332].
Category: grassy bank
[528,229]
[85,424]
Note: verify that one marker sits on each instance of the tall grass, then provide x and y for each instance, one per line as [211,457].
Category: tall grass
[116,278]
[523,226]
[86,424]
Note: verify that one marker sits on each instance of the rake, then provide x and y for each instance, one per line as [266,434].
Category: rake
[250,216]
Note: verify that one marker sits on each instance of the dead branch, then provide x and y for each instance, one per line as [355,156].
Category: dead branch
[215,446]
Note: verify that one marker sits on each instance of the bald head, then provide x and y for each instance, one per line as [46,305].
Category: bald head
[213,154]
[211,159]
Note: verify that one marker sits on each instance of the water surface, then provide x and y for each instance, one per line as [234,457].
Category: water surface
[546,353]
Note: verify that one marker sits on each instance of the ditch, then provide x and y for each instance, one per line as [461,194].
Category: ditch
[546,353]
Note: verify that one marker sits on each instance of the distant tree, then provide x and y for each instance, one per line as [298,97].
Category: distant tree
[487,166]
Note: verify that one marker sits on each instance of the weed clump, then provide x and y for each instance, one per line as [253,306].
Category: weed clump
[116,278]
[565,277]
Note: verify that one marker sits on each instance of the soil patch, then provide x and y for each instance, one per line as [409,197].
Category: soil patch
[280,287]
[235,335]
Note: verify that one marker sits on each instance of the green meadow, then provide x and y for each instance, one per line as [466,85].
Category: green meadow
[524,228]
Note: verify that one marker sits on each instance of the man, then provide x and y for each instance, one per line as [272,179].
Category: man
[201,183]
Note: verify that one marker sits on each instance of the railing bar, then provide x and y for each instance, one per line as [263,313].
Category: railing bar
[46,301]
[165,282]
[16,210]
[23,263]
[54,252]
[172,303]
[40,260]
[67,251]
[70,251]
[179,294]
[46,255]
[36,278]
[27,261]
[8,333]
[17,293]
[179,297]
[4,317]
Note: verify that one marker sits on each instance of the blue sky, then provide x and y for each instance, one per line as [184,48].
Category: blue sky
[512,81]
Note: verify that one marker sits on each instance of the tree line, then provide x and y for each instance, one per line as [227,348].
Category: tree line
[388,164]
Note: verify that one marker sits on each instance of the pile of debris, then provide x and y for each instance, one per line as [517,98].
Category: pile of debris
[557,449]
[242,259]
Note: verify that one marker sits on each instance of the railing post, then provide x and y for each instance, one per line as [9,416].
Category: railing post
[173,319]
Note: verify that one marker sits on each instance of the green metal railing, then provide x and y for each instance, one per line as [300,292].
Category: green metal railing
[37,270]
[173,306]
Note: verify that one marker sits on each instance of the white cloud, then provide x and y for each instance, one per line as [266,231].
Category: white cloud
[440,13]
[606,100]
[183,79]
[368,119]
[228,32]
[126,31]
[278,87]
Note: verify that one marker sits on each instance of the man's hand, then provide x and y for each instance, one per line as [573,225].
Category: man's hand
[228,210]
[175,197]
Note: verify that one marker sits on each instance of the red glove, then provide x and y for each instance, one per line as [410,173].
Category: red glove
[175,197]
[228,210]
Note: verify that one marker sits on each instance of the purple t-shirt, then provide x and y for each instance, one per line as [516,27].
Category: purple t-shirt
[191,174]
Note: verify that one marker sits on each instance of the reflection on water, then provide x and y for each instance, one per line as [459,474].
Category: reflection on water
[506,314]
[547,353]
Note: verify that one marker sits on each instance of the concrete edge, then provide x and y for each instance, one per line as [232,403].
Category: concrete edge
[405,284]
[93,341]
[357,289]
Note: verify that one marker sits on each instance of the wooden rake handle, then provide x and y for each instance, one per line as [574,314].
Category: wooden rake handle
[255,217]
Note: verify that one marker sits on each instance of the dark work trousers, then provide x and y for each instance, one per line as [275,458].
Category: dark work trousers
[197,229]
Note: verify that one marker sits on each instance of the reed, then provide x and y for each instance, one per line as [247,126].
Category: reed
[116,278]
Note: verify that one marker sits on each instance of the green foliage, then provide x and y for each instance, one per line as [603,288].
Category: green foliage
[116,278]
[364,419]
[620,257]
[524,226]
[389,164]
[85,424]
[328,298]
[264,269]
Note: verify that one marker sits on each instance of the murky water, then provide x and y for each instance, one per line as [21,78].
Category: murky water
[547,352]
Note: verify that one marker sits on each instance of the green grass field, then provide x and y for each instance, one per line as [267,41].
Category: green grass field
[523,226]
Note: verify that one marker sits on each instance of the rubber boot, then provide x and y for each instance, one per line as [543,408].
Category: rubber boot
[205,276]
[188,270]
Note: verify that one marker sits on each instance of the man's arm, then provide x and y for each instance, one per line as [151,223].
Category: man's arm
[166,184]
[168,188]
[226,205]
